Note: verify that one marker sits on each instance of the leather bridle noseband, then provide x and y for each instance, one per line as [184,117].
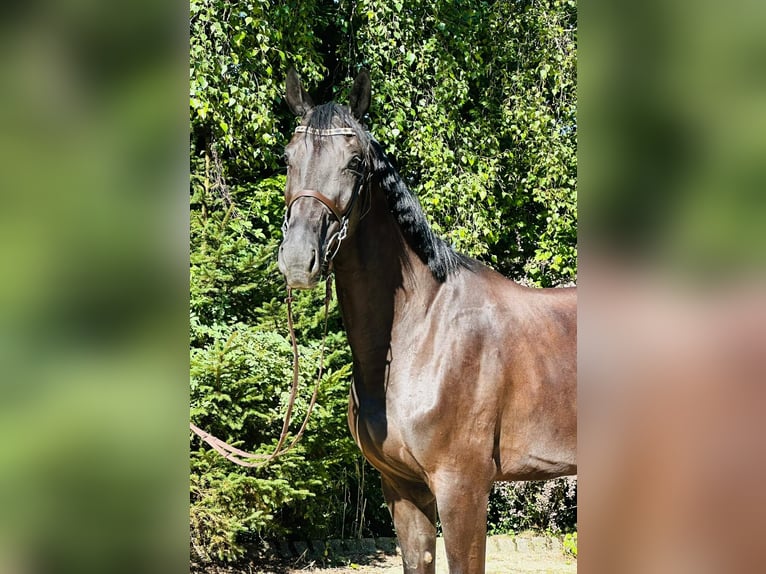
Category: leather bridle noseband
[341,216]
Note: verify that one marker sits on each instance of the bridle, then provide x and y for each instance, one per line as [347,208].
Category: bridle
[341,216]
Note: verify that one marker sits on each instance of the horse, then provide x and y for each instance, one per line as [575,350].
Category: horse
[461,377]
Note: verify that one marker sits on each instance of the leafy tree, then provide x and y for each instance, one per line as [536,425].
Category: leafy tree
[476,101]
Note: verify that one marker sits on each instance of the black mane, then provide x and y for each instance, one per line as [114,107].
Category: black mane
[441,259]
[432,250]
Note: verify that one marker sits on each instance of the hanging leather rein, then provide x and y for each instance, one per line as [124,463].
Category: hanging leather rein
[242,457]
[257,460]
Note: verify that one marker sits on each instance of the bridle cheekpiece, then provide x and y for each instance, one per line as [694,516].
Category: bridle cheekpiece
[333,244]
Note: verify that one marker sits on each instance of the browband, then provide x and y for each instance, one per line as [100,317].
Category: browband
[327,132]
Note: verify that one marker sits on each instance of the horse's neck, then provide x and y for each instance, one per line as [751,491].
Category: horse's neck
[377,277]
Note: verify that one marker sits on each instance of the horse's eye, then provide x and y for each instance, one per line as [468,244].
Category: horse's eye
[286,159]
[355,164]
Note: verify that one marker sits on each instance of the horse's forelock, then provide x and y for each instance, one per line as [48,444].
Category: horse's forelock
[332,115]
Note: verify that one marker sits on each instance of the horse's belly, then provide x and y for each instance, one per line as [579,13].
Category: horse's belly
[535,467]
[536,456]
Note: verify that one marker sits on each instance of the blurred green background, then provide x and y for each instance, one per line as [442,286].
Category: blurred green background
[94,288]
[672,111]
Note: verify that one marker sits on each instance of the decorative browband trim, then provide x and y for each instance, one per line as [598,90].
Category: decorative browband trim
[327,132]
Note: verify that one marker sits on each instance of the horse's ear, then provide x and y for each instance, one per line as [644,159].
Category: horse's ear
[297,98]
[359,100]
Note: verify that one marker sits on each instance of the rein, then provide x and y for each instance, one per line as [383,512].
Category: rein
[242,457]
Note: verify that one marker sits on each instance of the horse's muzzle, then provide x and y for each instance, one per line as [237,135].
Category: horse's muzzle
[300,260]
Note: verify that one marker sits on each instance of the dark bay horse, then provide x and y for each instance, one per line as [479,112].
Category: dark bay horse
[461,376]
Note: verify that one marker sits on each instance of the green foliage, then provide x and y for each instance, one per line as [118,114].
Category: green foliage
[239,52]
[570,543]
[475,102]
[550,505]
[226,504]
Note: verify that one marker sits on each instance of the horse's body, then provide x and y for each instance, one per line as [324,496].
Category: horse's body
[461,376]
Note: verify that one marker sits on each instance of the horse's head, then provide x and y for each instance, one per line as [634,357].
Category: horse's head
[327,167]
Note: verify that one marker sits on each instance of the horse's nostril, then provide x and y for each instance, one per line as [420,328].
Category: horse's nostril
[313,261]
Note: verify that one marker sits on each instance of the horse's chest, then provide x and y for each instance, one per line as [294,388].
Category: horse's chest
[390,437]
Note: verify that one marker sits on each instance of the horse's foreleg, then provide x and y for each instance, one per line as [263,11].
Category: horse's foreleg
[462,505]
[413,509]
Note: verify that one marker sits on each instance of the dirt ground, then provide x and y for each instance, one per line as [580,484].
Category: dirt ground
[525,553]
[505,555]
